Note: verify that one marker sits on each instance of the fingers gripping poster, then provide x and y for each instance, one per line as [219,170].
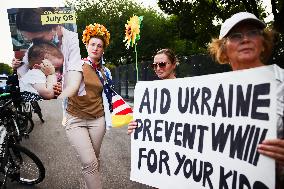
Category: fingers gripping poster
[203,132]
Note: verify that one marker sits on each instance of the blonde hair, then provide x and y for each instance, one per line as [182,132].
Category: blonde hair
[217,47]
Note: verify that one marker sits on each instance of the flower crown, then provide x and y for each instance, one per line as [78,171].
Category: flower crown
[96,30]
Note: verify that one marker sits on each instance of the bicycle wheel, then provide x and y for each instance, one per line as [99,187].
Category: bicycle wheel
[4,168]
[25,122]
[26,167]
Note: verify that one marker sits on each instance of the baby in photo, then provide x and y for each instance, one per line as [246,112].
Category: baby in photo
[45,63]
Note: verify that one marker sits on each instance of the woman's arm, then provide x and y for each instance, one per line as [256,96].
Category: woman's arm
[72,81]
[73,65]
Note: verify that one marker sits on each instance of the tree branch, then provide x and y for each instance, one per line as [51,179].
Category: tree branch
[274,8]
[247,6]
[278,17]
[254,8]
[217,9]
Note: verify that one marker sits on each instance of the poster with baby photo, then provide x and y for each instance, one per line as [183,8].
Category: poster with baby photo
[47,53]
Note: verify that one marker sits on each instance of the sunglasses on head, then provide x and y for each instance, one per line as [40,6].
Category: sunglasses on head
[160,64]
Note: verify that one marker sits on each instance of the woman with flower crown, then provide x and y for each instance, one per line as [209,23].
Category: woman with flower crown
[88,116]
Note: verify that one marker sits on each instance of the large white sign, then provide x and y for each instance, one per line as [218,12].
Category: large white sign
[203,132]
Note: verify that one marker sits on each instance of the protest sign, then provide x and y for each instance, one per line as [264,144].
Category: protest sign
[64,16]
[46,38]
[203,132]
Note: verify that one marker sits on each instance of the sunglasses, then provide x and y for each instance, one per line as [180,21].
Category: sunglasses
[160,64]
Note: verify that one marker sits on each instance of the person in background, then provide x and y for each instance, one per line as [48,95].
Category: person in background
[165,62]
[244,42]
[88,116]
[164,65]
[28,22]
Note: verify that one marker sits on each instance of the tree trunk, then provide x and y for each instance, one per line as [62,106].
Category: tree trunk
[278,24]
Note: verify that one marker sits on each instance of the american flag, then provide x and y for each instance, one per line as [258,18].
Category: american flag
[122,112]
[120,107]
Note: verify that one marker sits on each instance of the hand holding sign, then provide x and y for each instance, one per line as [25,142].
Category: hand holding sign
[17,60]
[131,126]
[274,149]
[194,133]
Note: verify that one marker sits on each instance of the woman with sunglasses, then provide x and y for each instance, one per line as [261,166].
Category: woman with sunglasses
[165,62]
[244,44]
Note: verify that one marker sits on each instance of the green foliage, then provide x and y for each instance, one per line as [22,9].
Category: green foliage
[114,15]
[198,21]
[199,15]
[187,28]
[5,69]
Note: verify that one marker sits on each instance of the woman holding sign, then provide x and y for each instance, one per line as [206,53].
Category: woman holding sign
[29,23]
[165,62]
[88,116]
[245,43]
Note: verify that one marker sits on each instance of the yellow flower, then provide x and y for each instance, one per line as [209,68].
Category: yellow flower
[132,30]
[95,30]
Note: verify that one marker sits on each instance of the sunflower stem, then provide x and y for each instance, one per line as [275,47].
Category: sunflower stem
[136,63]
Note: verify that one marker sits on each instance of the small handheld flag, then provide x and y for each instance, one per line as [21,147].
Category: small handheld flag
[122,112]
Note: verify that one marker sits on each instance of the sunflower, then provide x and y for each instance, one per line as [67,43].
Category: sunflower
[132,30]
[95,30]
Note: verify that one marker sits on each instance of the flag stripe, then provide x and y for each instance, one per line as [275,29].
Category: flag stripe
[120,108]
[121,120]
[118,103]
[124,112]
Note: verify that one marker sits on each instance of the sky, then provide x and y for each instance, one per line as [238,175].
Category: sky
[6,48]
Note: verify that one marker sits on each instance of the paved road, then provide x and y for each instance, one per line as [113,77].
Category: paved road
[48,141]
